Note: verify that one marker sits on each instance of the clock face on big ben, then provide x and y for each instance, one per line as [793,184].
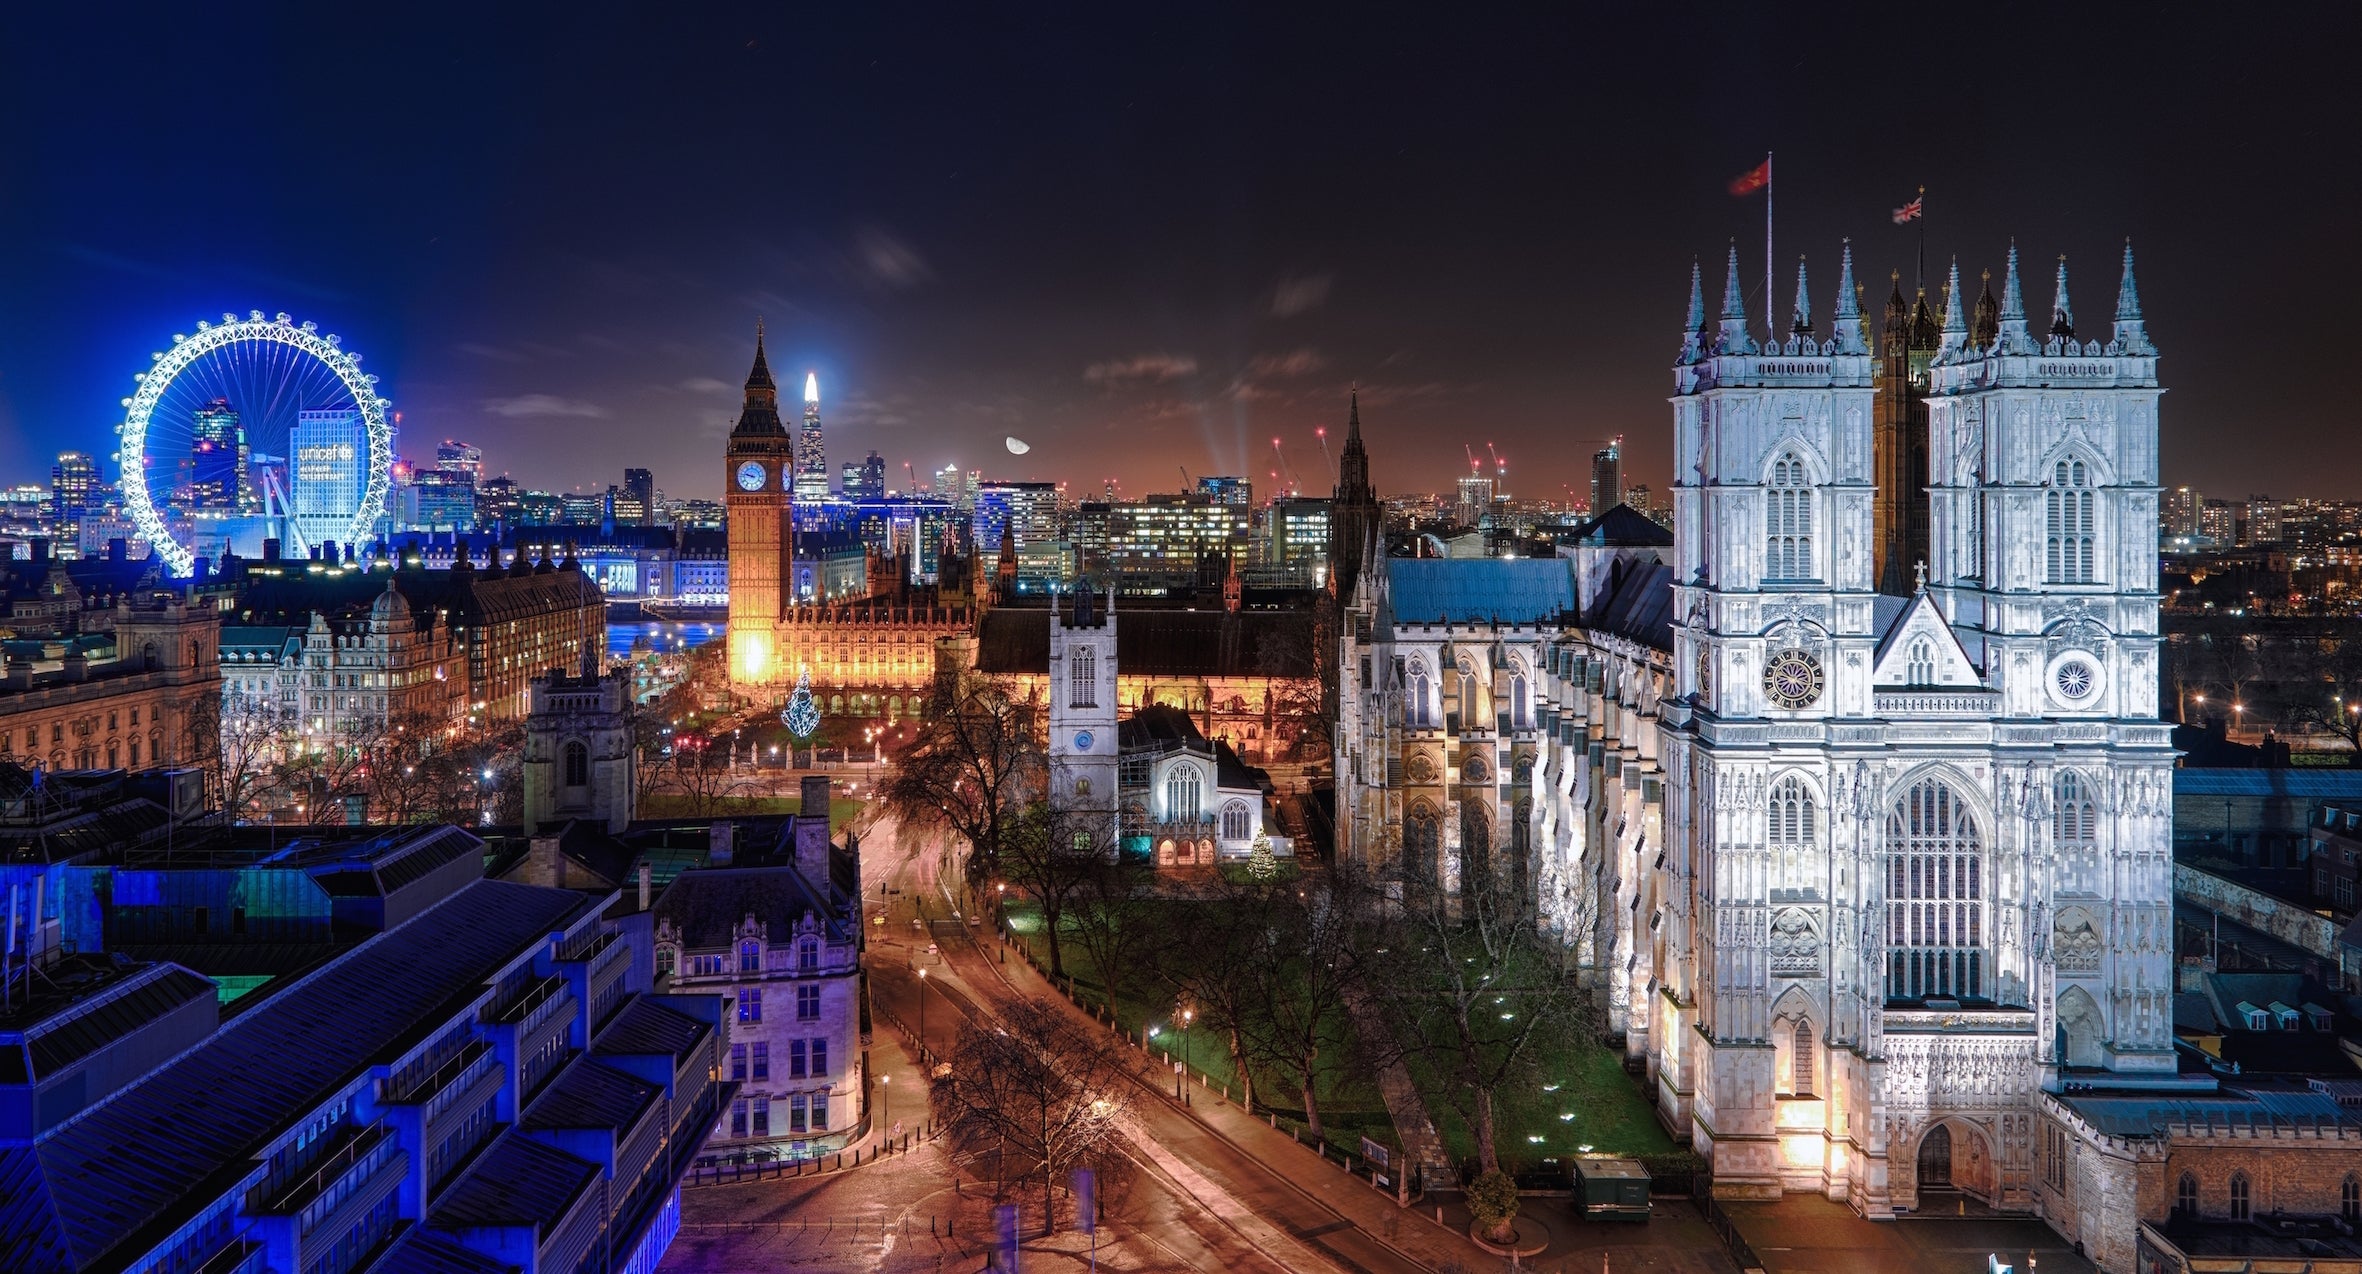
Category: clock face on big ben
[750,476]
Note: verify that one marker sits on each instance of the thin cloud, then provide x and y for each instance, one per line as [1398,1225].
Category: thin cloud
[1300,294]
[1298,362]
[705,385]
[890,260]
[529,406]
[1141,369]
[492,352]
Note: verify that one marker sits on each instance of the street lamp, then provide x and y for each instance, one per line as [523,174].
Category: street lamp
[1187,1016]
[922,1014]
[885,1098]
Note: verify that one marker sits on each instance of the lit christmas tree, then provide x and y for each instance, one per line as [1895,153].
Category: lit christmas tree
[802,717]
[1262,864]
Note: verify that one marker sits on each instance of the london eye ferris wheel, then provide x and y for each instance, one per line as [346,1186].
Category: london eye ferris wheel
[253,429]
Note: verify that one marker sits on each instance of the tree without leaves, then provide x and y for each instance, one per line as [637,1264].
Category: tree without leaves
[1310,957]
[1217,976]
[700,775]
[1053,855]
[973,769]
[1040,1091]
[1119,920]
[2329,694]
[1480,989]
[238,741]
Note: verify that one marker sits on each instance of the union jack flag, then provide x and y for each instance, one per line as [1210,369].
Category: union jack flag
[1910,211]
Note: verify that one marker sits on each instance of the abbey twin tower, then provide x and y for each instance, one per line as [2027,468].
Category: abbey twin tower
[1853,800]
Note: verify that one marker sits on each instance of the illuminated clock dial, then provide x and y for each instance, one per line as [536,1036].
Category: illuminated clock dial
[750,476]
[1082,741]
[1792,679]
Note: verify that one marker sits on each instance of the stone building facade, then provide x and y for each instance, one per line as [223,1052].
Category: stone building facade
[780,942]
[136,709]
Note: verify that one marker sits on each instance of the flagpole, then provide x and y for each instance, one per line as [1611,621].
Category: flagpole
[1770,326]
[1921,281]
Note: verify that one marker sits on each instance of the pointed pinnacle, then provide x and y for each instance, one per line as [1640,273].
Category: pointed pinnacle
[2062,312]
[1849,303]
[1955,312]
[1802,323]
[2013,298]
[2128,293]
[1734,304]
[1697,298]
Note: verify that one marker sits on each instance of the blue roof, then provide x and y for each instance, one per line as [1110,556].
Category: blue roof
[1428,590]
[519,1182]
[156,1153]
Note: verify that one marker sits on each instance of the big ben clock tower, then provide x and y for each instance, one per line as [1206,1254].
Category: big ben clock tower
[759,486]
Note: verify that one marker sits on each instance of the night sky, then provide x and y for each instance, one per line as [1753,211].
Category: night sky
[1148,241]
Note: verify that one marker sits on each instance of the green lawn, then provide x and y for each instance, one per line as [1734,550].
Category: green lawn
[1585,1101]
[1350,1104]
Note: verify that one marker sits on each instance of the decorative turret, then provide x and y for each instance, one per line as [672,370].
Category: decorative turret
[1693,327]
[1986,322]
[1955,317]
[1733,338]
[1851,332]
[2132,334]
[1800,322]
[2062,313]
[2010,335]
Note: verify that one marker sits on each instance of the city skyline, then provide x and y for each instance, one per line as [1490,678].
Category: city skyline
[1482,242]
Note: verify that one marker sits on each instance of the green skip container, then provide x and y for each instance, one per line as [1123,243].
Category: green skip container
[1608,1188]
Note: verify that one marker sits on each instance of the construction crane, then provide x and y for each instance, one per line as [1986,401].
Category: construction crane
[1474,467]
[913,475]
[1327,461]
[1500,463]
[1184,479]
[1285,468]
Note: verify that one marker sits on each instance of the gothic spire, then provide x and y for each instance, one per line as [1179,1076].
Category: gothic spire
[2132,334]
[2062,314]
[1851,331]
[1733,338]
[761,412]
[2012,336]
[1693,328]
[1955,315]
[1802,323]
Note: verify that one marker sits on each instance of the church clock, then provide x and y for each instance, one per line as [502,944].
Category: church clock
[750,476]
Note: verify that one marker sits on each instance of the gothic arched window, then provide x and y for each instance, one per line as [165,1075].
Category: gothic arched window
[1418,701]
[1234,821]
[2349,1199]
[1184,795]
[2185,1195]
[1921,671]
[577,765]
[1793,832]
[2075,831]
[1520,716]
[2069,528]
[1083,679]
[1935,891]
[2239,1206]
[1788,521]
[1800,1059]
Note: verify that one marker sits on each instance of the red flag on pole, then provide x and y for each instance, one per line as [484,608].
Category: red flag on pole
[1911,211]
[1754,179]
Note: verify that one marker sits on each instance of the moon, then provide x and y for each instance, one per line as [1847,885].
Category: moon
[1017,446]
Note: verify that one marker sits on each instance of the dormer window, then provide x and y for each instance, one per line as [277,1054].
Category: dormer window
[808,955]
[750,957]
